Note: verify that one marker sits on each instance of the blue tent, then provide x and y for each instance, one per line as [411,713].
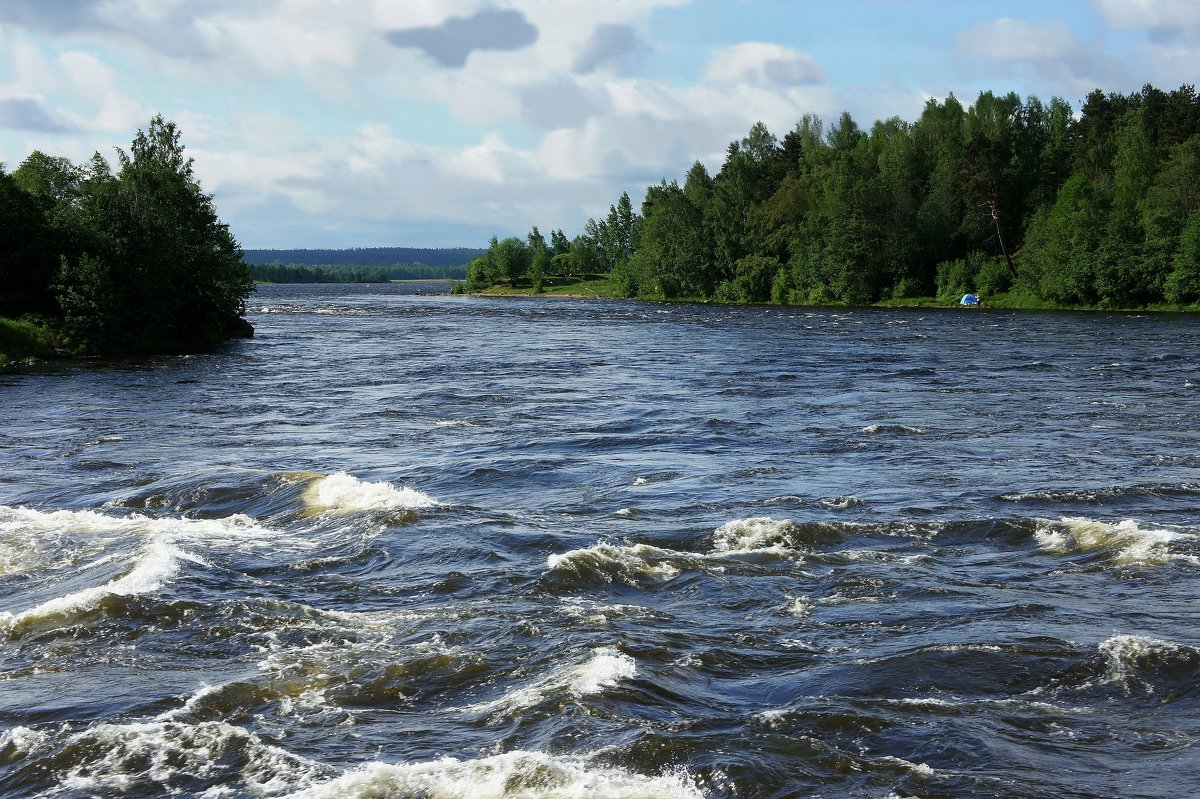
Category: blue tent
[969,299]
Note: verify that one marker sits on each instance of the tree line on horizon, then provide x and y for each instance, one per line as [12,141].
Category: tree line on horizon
[1002,196]
[344,273]
[128,262]
[365,256]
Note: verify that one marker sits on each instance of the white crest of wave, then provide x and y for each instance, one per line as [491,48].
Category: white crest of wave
[344,493]
[873,429]
[606,668]
[157,564]
[1130,544]
[755,534]
[67,534]
[842,502]
[19,741]
[611,561]
[1123,652]
[125,757]
[514,775]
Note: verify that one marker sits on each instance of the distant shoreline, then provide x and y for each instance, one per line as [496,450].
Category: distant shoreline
[603,289]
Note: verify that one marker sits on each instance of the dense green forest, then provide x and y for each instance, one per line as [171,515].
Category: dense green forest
[338,273]
[367,256]
[1010,197]
[131,262]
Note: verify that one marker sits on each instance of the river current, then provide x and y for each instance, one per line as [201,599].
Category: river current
[405,545]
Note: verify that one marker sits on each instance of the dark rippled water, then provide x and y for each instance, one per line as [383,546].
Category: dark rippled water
[426,546]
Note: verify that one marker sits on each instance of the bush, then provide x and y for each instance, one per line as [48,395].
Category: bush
[956,278]
[994,277]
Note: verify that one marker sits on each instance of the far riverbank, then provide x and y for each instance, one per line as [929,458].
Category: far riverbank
[607,288]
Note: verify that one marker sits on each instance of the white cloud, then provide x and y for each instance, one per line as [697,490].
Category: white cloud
[1053,51]
[763,64]
[550,137]
[1016,40]
[97,87]
[1150,13]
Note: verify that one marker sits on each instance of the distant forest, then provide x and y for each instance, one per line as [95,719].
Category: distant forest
[365,256]
[337,273]
[1022,198]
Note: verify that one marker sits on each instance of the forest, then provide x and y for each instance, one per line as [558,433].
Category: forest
[366,256]
[1005,197]
[346,273]
[134,261]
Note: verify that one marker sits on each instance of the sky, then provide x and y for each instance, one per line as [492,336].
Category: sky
[438,123]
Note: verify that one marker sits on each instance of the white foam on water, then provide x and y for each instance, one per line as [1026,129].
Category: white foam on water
[606,668]
[32,541]
[756,534]
[20,741]
[342,493]
[842,502]
[201,693]
[924,769]
[611,561]
[799,607]
[1122,653]
[873,429]
[62,538]
[118,758]
[157,564]
[594,612]
[1129,544]
[514,775]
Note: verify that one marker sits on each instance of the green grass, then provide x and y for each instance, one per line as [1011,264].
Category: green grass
[20,340]
[605,286]
[570,287]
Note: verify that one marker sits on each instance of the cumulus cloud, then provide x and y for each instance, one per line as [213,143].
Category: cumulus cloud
[609,45]
[763,64]
[452,42]
[1050,48]
[30,114]
[559,103]
[1150,13]
[62,16]
[554,123]
[1017,40]
[169,27]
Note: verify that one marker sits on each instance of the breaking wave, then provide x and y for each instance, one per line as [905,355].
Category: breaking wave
[175,758]
[619,563]
[1107,494]
[341,493]
[1125,541]
[515,775]
[895,429]
[63,537]
[606,668]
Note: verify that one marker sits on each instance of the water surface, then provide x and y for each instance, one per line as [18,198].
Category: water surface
[414,546]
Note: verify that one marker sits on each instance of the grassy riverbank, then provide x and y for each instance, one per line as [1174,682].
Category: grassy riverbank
[608,288]
[20,341]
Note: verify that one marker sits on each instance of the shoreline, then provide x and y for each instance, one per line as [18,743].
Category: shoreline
[999,303]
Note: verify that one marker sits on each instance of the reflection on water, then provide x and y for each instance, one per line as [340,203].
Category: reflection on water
[408,545]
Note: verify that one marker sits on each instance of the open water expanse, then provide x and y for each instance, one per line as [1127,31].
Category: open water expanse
[403,545]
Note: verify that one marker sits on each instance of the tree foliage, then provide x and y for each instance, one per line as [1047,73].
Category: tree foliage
[136,261]
[1003,195]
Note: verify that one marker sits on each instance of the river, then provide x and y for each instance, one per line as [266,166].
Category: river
[408,545]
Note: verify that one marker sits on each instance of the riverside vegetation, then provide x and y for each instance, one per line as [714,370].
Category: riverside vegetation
[104,263]
[1024,202]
